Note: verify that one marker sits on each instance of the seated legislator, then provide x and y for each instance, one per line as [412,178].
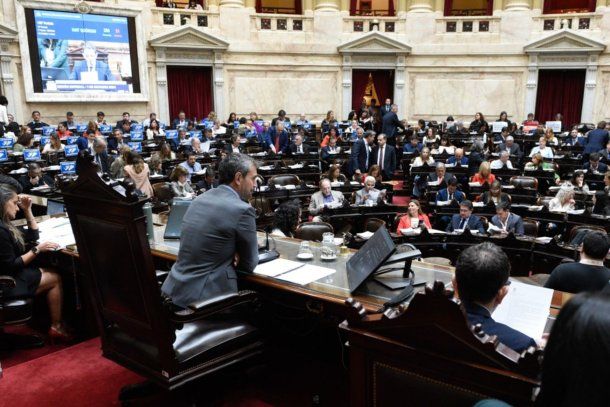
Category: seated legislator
[458,158]
[484,175]
[575,139]
[181,122]
[465,219]
[575,364]
[605,153]
[542,149]
[440,176]
[116,169]
[286,219]
[196,147]
[210,252]
[530,121]
[512,148]
[423,158]
[369,195]
[414,218]
[479,124]
[431,138]
[502,163]
[375,172]
[54,145]
[445,147]
[334,174]
[413,146]
[235,145]
[18,252]
[549,135]
[154,130]
[100,156]
[181,187]
[63,132]
[191,164]
[563,201]
[501,137]
[589,274]
[279,138]
[494,195]
[298,147]
[332,132]
[578,182]
[138,172]
[90,65]
[219,129]
[328,153]
[538,164]
[595,166]
[115,142]
[507,221]
[481,282]
[325,197]
[450,193]
[601,199]
[208,182]
[35,178]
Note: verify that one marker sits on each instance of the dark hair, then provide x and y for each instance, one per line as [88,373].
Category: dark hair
[595,245]
[467,203]
[231,165]
[480,271]
[449,119]
[575,368]
[7,192]
[3,100]
[242,120]
[126,113]
[100,113]
[502,113]
[601,125]
[286,217]
[594,157]
[24,139]
[453,182]
[69,114]
[369,133]
[281,113]
[35,111]
[503,205]
[177,172]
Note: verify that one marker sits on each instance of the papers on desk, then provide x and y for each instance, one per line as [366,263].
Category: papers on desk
[478,204]
[543,239]
[443,203]
[52,168]
[155,176]
[410,232]
[290,186]
[494,229]
[575,211]
[335,184]
[525,308]
[536,207]
[365,235]
[295,166]
[436,232]
[292,271]
[56,230]
[434,183]
[41,188]
[266,167]
[19,171]
[474,184]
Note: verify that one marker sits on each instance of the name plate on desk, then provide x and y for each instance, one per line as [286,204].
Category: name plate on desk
[135,146]
[81,128]
[71,140]
[71,150]
[47,130]
[556,126]
[136,136]
[105,128]
[3,155]
[171,134]
[6,142]
[67,167]
[195,133]
[31,154]
[137,127]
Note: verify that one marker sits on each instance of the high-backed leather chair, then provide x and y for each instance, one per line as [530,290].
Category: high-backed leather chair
[588,228]
[530,227]
[524,182]
[15,311]
[544,200]
[372,224]
[163,192]
[140,329]
[284,179]
[313,231]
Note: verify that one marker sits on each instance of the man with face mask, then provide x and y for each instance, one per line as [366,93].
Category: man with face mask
[90,67]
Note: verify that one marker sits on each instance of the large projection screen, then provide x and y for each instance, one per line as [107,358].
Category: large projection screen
[74,54]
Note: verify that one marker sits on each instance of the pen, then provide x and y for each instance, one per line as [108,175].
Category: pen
[288,271]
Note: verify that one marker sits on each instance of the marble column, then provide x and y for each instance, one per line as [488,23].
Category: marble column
[232,3]
[251,3]
[537,4]
[531,86]
[517,5]
[588,99]
[401,6]
[7,81]
[162,94]
[219,85]
[307,5]
[399,86]
[327,5]
[498,5]
[346,82]
[421,6]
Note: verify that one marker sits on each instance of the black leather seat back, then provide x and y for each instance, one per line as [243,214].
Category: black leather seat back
[313,231]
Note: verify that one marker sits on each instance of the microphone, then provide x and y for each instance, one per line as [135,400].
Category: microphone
[264,254]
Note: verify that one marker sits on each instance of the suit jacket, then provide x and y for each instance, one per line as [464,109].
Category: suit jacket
[389,161]
[293,148]
[316,204]
[453,160]
[389,123]
[101,68]
[83,143]
[230,149]
[601,167]
[570,141]
[510,337]
[176,123]
[486,197]
[102,161]
[605,154]
[512,150]
[204,268]
[383,110]
[408,148]
[443,195]
[514,223]
[358,157]
[596,140]
[474,223]
[283,139]
[325,155]
[27,186]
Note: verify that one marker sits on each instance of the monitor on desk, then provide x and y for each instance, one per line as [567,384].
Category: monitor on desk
[174,221]
[369,258]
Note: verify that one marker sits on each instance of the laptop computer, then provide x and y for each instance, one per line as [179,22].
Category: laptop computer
[369,258]
[174,221]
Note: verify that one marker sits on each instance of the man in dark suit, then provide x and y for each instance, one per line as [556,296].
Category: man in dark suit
[465,219]
[387,108]
[384,155]
[100,156]
[279,138]
[328,152]
[389,123]
[440,176]
[85,141]
[605,153]
[596,139]
[458,158]
[507,221]
[210,252]
[360,160]
[234,146]
[91,65]
[594,165]
[181,122]
[512,148]
[69,123]
[208,182]
[34,178]
[125,121]
[450,193]
[298,147]
[36,124]
[481,282]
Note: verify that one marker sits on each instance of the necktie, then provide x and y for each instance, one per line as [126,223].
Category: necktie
[381,158]
[367,155]
[450,197]
[462,223]
[277,143]
[300,150]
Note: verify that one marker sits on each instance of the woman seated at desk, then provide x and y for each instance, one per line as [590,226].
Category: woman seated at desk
[484,175]
[181,188]
[551,140]
[423,158]
[563,201]
[414,218]
[444,147]
[63,132]
[24,141]
[578,182]
[286,219]
[369,195]
[478,125]
[375,172]
[329,122]
[494,195]
[366,122]
[538,164]
[334,174]
[18,252]
[154,130]
[54,145]
[231,120]
[504,118]
[332,132]
[431,138]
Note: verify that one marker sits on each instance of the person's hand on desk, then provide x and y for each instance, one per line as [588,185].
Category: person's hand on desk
[47,247]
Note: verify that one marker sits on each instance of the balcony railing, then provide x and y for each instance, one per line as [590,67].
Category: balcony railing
[178,17]
[468,24]
[373,13]
[281,22]
[573,21]
[469,12]
[371,23]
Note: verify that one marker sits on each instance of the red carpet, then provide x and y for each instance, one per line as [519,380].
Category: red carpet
[76,376]
[14,358]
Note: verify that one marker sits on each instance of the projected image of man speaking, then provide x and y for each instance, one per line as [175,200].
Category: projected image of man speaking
[91,69]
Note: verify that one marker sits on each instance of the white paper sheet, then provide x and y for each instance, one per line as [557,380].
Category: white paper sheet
[306,274]
[525,308]
[276,267]
[56,230]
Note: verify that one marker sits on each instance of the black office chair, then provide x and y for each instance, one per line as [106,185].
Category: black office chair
[285,179]
[530,227]
[313,231]
[15,311]
[373,224]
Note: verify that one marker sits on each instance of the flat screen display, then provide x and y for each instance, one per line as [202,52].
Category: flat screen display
[78,53]
[369,258]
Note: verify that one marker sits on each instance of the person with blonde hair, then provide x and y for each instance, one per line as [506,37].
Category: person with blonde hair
[138,172]
[563,201]
[484,175]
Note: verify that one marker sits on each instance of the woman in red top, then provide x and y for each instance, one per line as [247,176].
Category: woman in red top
[62,132]
[332,132]
[414,218]
[484,175]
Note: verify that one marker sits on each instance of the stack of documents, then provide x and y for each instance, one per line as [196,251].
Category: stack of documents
[56,230]
[292,271]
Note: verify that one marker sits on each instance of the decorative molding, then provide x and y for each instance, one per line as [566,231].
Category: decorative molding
[190,38]
[565,41]
[7,34]
[374,43]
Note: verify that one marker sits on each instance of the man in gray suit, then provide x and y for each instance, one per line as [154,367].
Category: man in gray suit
[325,197]
[218,236]
[507,221]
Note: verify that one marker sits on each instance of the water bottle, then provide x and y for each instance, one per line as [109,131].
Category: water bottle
[150,228]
